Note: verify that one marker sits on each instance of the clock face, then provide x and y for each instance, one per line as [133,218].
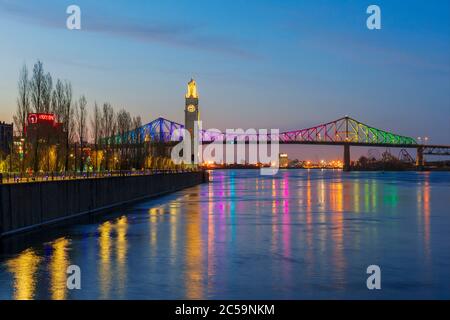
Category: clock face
[191,108]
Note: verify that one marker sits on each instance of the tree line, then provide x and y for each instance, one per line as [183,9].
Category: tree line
[81,144]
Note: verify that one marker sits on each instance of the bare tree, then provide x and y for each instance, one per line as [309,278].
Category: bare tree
[46,105]
[81,116]
[57,108]
[23,101]
[124,130]
[67,120]
[118,136]
[47,93]
[38,83]
[58,100]
[138,143]
[108,129]
[96,131]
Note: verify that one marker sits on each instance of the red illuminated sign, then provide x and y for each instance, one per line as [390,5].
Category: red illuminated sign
[34,118]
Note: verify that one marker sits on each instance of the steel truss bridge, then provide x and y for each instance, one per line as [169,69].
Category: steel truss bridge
[345,131]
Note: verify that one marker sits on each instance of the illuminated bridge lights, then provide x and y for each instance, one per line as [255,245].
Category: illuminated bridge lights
[342,131]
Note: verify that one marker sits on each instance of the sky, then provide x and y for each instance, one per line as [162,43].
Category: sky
[287,64]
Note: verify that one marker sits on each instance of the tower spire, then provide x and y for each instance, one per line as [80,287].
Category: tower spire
[191,114]
[192,89]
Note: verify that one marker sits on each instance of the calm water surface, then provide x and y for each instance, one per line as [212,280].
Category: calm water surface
[297,235]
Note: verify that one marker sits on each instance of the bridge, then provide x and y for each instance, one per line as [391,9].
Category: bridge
[344,131]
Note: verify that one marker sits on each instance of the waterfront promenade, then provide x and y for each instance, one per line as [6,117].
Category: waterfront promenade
[29,206]
[69,175]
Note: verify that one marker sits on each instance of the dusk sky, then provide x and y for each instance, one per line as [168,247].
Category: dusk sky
[287,64]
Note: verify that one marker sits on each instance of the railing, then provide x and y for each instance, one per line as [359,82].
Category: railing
[60,176]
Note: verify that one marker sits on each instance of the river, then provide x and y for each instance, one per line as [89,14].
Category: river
[302,234]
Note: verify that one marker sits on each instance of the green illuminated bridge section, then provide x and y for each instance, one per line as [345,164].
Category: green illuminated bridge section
[347,130]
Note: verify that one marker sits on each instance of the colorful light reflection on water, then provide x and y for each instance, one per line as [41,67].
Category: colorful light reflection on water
[300,234]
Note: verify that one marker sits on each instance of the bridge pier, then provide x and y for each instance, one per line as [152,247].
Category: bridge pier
[346,157]
[419,158]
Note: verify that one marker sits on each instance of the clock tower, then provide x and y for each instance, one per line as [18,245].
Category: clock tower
[191,112]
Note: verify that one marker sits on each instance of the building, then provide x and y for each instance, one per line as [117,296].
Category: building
[44,127]
[6,139]
[44,137]
[284,160]
[191,112]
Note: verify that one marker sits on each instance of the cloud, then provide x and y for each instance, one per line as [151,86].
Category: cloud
[172,35]
[375,48]
[388,55]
